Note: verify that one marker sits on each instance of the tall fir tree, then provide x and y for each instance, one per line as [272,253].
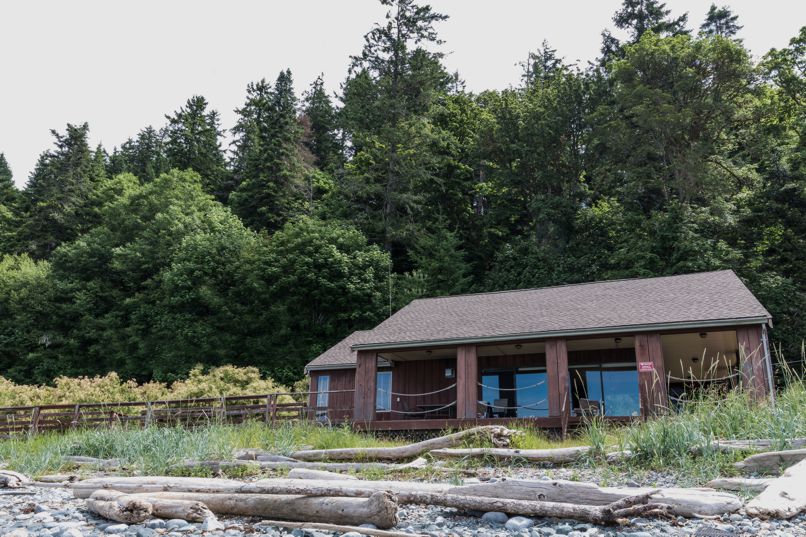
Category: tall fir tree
[391,87]
[143,156]
[193,142]
[269,172]
[720,21]
[320,120]
[59,192]
[637,17]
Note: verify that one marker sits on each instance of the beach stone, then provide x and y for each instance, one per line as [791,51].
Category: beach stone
[176,523]
[547,531]
[518,523]
[116,528]
[155,524]
[351,534]
[146,532]
[19,532]
[71,532]
[211,524]
[495,517]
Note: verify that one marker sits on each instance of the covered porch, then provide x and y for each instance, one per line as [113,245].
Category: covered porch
[554,382]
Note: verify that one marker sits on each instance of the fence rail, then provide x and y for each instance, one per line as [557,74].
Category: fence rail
[269,408]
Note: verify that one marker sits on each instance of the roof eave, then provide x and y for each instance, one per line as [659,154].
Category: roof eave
[564,333]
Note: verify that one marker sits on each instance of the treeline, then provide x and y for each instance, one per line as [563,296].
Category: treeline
[673,152]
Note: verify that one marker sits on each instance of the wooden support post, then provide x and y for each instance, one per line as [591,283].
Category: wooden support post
[273,417]
[651,374]
[366,378]
[557,373]
[467,379]
[752,358]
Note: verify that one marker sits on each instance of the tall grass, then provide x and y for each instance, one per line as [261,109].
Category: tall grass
[154,449]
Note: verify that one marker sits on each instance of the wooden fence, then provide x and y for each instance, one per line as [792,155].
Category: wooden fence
[268,408]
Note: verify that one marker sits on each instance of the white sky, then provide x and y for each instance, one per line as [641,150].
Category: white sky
[122,65]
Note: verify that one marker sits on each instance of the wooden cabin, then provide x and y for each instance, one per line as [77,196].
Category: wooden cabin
[620,349]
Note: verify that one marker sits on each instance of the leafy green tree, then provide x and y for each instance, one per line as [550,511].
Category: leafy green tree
[58,193]
[268,167]
[324,281]
[26,319]
[193,142]
[720,21]
[664,132]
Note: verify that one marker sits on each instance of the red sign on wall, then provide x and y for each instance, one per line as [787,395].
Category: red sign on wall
[644,367]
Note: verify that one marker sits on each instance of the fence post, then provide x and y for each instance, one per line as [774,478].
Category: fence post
[35,420]
[273,408]
[149,415]
[76,416]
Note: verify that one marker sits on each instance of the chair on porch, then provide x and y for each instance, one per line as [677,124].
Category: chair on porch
[589,407]
[482,409]
[499,408]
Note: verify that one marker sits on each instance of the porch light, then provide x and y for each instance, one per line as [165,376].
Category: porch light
[703,334]
[518,346]
[429,352]
[617,340]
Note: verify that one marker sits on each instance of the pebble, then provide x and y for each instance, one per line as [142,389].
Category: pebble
[495,517]
[176,523]
[155,524]
[211,524]
[71,532]
[116,528]
[518,523]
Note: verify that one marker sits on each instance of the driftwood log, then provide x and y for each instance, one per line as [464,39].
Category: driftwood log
[137,508]
[57,478]
[252,454]
[380,508]
[11,479]
[784,497]
[498,434]
[303,473]
[761,444]
[336,528]
[556,456]
[771,462]
[106,464]
[525,493]
[223,466]
[739,484]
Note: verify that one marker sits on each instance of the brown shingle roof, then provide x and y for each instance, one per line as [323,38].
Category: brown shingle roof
[704,299]
[340,354]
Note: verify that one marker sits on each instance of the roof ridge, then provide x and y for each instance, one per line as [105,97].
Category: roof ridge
[578,284]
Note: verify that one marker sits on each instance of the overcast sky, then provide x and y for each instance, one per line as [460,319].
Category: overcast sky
[123,65]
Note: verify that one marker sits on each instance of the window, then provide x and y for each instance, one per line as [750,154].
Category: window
[322,389]
[383,394]
[614,386]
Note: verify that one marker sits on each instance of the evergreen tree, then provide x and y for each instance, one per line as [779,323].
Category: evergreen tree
[193,142]
[267,163]
[392,85]
[143,156]
[639,16]
[59,191]
[720,21]
[321,138]
[9,195]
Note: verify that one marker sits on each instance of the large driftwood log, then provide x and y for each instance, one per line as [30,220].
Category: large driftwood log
[11,479]
[556,456]
[128,508]
[499,435]
[683,501]
[739,484]
[784,497]
[380,508]
[772,461]
[337,528]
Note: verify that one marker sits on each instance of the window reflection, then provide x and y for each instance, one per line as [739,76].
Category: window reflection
[608,389]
